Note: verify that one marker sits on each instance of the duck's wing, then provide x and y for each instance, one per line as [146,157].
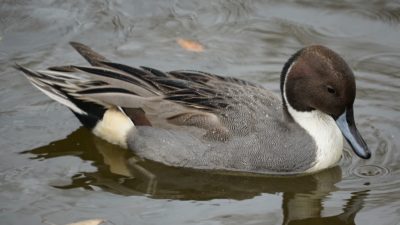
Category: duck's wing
[147,96]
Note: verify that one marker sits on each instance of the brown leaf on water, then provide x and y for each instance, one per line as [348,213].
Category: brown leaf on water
[190,45]
[88,222]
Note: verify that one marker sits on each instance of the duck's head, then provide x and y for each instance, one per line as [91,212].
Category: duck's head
[316,78]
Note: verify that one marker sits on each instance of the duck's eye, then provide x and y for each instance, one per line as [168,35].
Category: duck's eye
[331,89]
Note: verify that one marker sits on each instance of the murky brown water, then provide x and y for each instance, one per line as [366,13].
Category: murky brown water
[53,171]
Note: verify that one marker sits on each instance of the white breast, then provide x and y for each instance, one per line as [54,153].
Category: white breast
[327,136]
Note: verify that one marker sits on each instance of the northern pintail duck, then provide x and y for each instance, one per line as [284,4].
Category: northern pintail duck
[199,120]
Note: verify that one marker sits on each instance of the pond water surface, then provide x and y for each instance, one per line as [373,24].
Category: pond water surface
[54,171]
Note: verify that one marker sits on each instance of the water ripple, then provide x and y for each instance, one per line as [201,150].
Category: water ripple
[383,14]
[370,171]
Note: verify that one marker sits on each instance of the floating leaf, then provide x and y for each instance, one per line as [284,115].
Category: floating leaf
[190,45]
[88,222]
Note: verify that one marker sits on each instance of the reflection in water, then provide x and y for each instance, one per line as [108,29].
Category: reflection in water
[121,172]
[306,209]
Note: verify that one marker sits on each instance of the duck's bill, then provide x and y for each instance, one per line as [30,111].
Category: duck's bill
[349,130]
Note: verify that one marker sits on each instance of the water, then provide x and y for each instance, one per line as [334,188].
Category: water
[53,171]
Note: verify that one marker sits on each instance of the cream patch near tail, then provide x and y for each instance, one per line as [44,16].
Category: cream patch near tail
[114,127]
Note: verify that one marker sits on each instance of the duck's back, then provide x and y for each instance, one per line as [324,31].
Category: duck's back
[253,135]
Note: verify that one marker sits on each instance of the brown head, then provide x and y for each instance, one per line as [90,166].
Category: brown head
[317,78]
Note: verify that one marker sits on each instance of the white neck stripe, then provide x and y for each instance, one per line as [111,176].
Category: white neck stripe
[322,128]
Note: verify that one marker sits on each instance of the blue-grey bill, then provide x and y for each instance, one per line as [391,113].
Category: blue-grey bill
[349,130]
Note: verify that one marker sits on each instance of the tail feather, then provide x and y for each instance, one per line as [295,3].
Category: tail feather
[55,84]
[106,69]
[110,97]
[91,56]
[52,91]
[90,92]
[118,79]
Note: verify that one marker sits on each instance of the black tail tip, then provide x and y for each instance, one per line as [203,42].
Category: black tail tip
[75,44]
[18,67]
[25,70]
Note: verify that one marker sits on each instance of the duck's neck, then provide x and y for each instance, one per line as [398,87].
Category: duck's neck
[324,131]
[320,126]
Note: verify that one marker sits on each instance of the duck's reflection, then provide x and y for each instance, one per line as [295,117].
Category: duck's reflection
[300,209]
[121,172]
